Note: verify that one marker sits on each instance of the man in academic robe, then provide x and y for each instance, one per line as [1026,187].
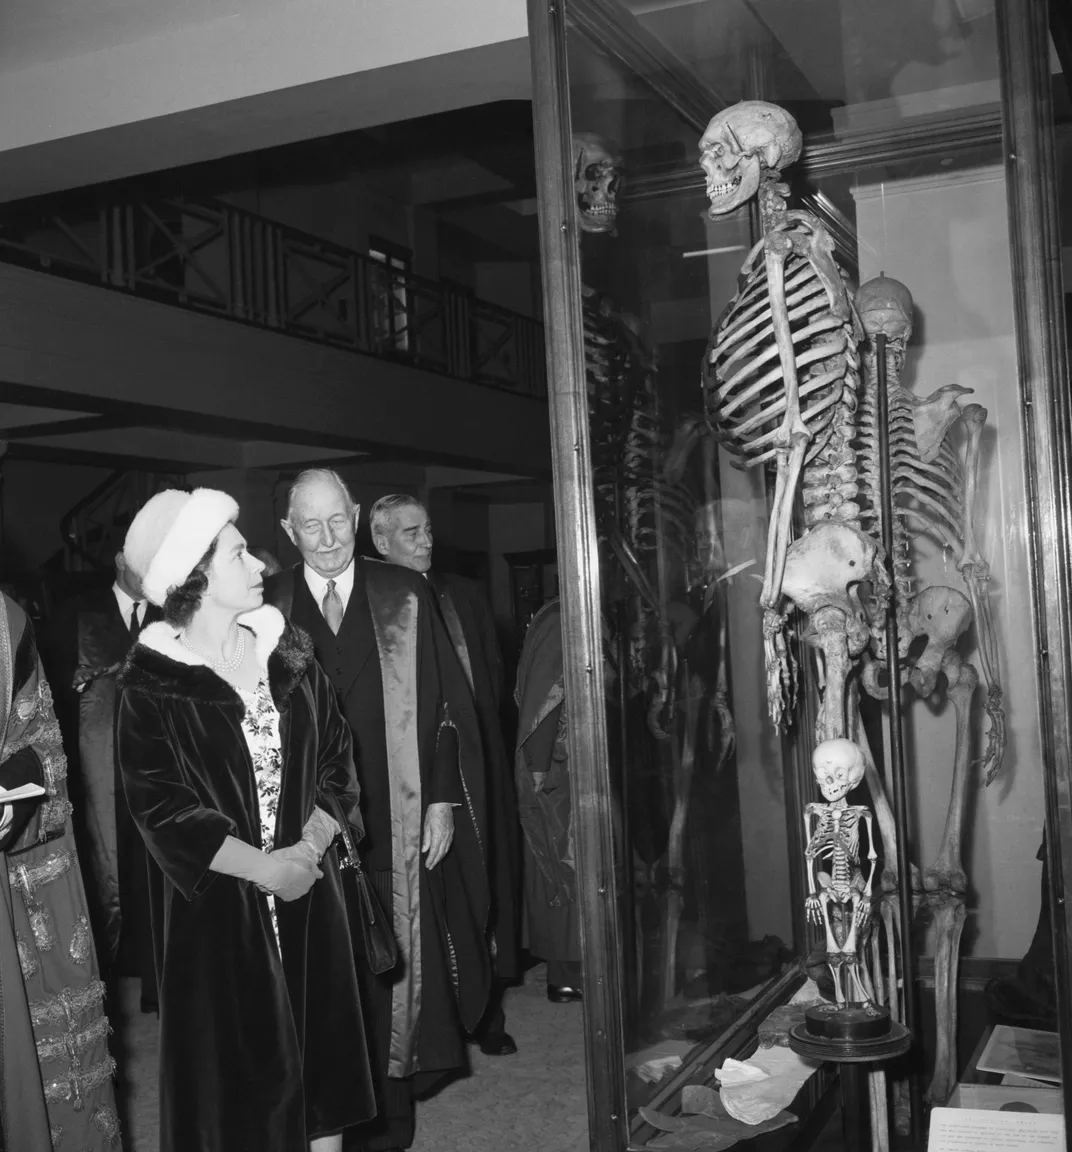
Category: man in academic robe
[545,807]
[402,533]
[55,1070]
[89,641]
[377,635]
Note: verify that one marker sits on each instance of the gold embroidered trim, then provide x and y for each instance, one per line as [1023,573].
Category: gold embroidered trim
[27,878]
[74,1087]
[70,1044]
[67,1006]
[81,947]
[54,816]
[28,961]
[107,1123]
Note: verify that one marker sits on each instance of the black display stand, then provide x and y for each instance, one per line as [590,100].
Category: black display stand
[851,1056]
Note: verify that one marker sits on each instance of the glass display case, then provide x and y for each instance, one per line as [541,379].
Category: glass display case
[809,402]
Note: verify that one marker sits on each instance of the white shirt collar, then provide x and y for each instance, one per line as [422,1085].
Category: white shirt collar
[126,605]
[318,585]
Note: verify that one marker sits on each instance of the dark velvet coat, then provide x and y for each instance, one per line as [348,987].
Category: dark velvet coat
[256,1052]
[89,643]
[465,609]
[455,967]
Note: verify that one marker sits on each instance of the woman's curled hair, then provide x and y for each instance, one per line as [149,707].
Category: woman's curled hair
[183,600]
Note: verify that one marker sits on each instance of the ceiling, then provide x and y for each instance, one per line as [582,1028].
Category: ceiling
[94,437]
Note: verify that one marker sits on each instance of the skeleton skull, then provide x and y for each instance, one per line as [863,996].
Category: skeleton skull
[739,144]
[597,179]
[885,307]
[838,766]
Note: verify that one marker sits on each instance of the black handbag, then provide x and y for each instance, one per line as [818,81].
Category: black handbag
[377,935]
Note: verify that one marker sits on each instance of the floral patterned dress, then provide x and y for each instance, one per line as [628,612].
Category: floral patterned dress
[260,725]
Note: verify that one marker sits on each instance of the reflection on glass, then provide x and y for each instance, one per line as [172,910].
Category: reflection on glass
[702,815]
[725,507]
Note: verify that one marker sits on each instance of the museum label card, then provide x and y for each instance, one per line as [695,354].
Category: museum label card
[1022,1052]
[976,1130]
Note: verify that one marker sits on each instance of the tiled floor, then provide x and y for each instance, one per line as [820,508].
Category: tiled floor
[534,1099]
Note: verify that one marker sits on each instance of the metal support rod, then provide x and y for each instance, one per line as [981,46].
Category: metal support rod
[897,766]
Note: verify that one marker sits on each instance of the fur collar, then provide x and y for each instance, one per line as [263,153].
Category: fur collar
[159,665]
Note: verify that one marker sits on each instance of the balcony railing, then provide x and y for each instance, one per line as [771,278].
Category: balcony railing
[214,258]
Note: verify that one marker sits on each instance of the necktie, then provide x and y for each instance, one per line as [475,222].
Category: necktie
[135,624]
[332,607]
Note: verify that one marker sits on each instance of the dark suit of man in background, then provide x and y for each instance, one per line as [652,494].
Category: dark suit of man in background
[87,645]
[417,750]
[402,534]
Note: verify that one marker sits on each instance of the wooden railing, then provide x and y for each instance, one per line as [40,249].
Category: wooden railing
[94,529]
[212,257]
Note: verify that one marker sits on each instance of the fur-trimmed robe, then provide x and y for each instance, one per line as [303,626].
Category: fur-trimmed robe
[255,1053]
[51,997]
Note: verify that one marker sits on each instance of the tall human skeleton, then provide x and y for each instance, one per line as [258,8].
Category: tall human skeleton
[782,384]
[935,488]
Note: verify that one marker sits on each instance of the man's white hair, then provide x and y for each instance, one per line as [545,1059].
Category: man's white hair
[317,476]
[386,507]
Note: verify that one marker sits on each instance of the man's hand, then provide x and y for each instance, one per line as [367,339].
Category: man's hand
[290,878]
[438,833]
[538,781]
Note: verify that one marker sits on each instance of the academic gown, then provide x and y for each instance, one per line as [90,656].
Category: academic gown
[552,919]
[390,633]
[257,1051]
[469,622]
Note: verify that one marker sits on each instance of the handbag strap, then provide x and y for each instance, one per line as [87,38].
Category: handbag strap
[352,859]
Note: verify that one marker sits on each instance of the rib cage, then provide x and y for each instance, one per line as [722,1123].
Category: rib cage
[744,389]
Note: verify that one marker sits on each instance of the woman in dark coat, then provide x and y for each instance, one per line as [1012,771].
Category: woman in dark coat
[230,744]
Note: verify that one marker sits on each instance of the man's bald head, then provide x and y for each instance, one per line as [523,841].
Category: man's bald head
[321,521]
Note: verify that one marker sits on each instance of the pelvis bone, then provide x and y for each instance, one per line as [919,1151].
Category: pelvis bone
[943,616]
[823,570]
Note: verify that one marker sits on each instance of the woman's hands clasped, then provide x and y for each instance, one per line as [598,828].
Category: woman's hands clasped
[291,874]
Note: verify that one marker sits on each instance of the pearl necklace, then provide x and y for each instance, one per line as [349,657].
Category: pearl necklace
[223,665]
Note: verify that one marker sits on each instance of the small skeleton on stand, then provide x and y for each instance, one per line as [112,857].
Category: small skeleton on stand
[833,832]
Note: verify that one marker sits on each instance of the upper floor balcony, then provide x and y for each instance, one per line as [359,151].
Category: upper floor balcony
[214,258]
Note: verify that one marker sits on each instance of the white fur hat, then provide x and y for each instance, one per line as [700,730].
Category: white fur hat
[171,533]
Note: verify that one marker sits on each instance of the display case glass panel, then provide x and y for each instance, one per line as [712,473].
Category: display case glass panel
[738,433]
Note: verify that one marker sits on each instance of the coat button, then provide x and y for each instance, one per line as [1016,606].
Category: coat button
[338,671]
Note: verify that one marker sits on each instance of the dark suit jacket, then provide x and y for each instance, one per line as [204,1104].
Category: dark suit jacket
[88,643]
[352,664]
[454,955]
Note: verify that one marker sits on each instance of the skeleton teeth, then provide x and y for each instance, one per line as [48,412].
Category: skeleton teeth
[714,190]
